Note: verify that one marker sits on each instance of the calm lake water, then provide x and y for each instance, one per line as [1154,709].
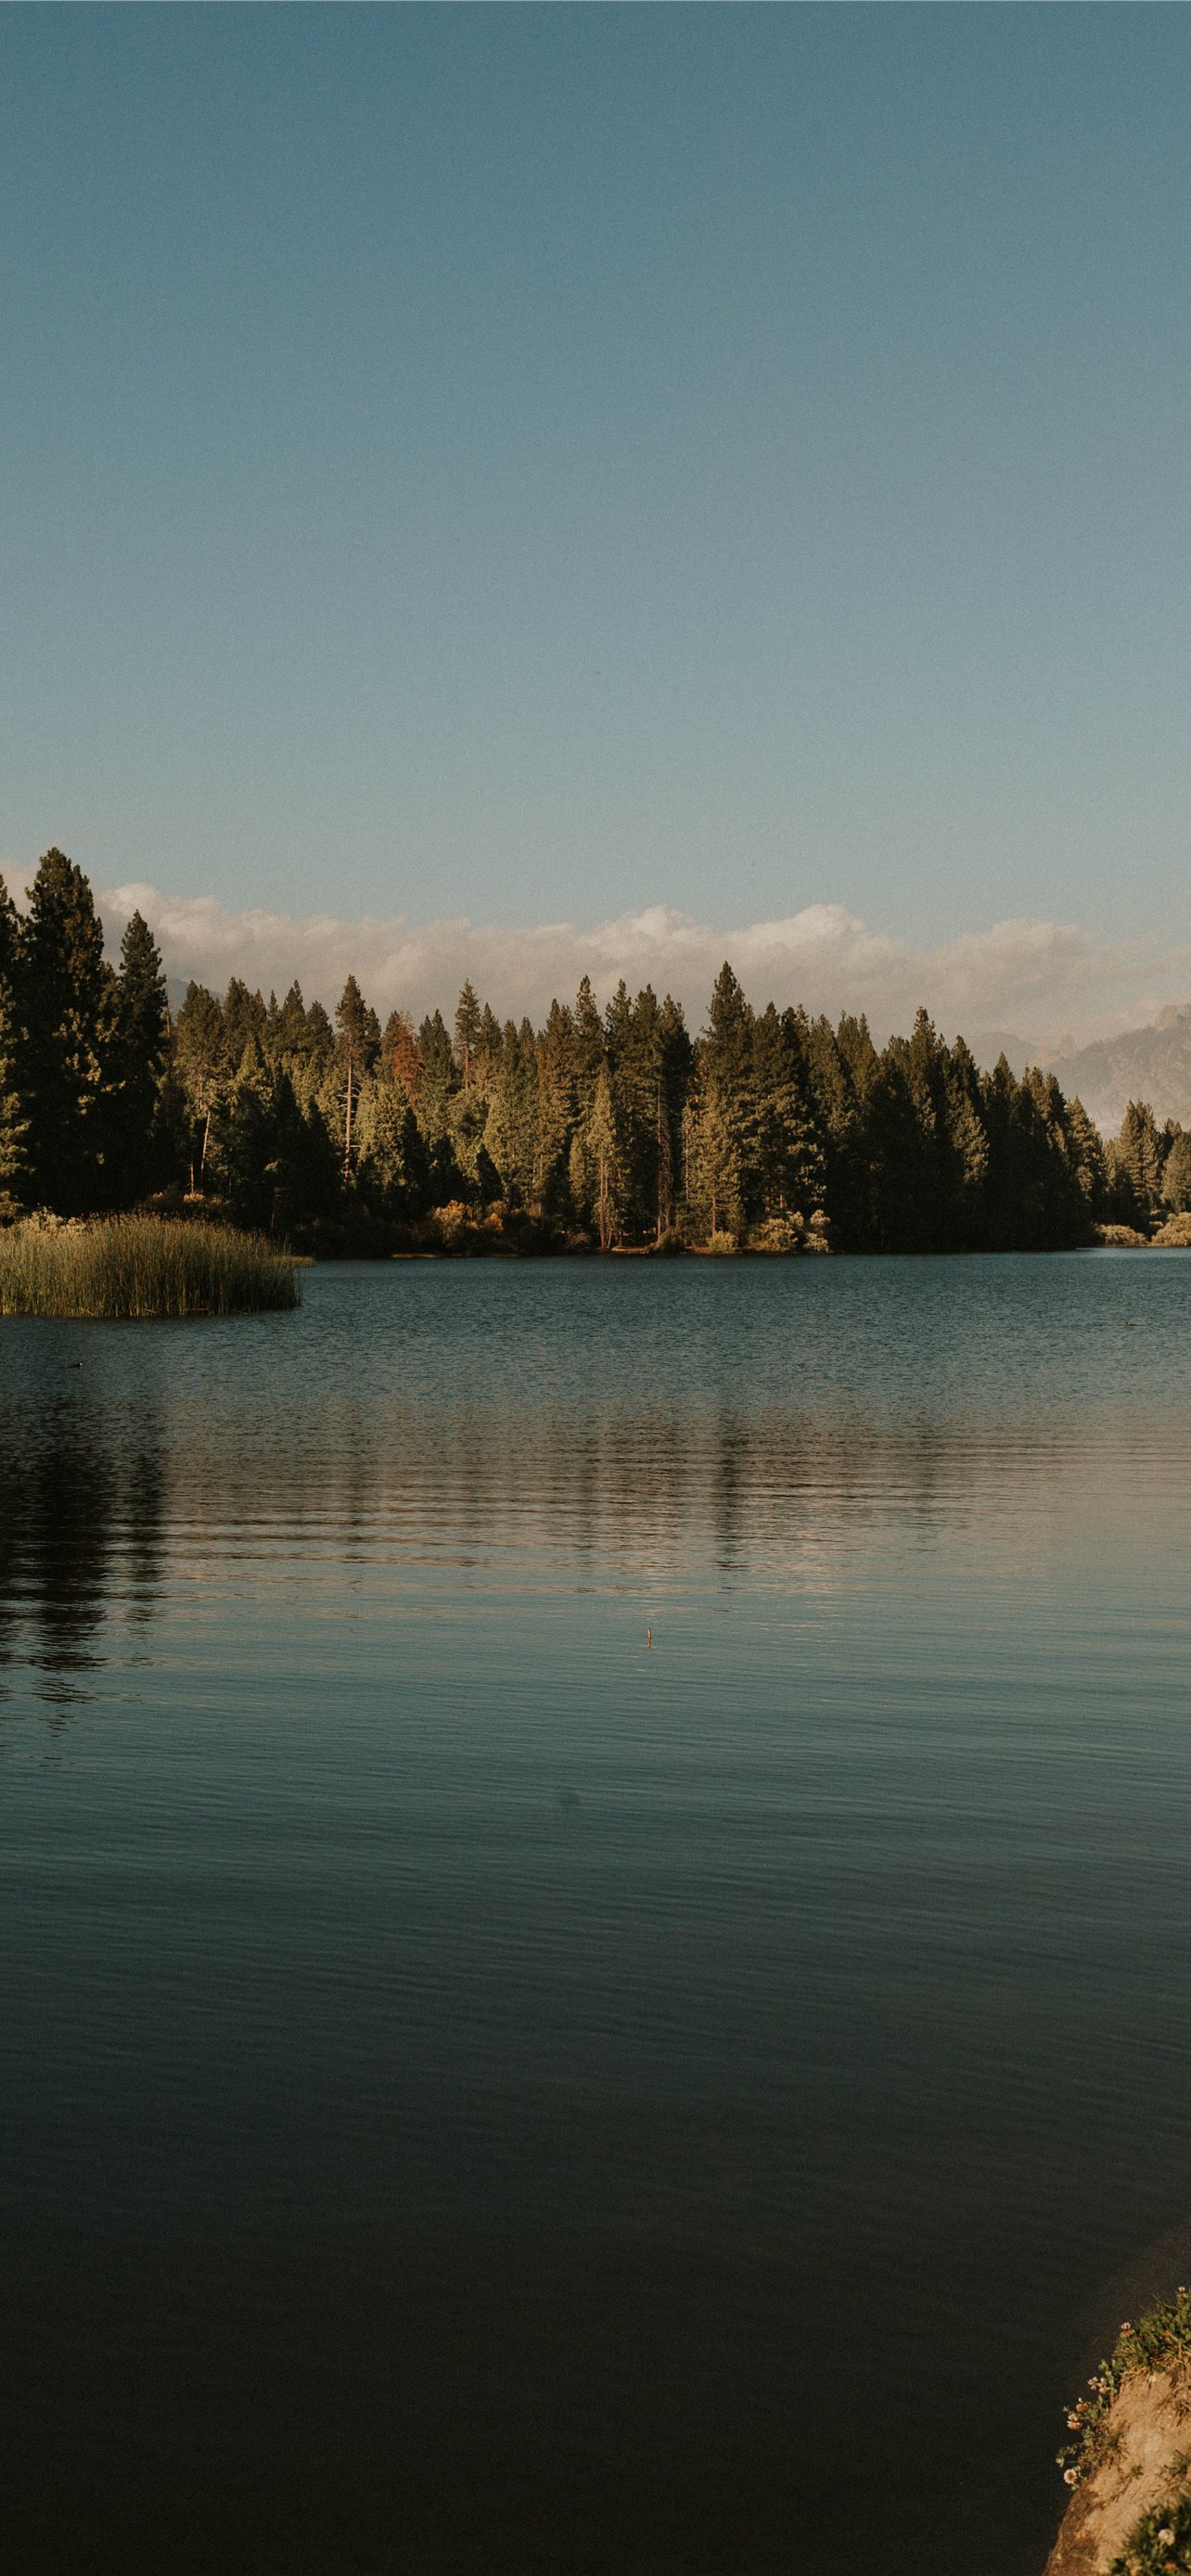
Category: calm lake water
[483,2092]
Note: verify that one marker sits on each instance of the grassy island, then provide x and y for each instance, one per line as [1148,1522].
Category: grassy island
[140,1266]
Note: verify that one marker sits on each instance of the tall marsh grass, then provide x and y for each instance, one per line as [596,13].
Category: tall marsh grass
[140,1265]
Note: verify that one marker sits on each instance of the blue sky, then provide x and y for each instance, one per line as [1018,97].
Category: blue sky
[545,464]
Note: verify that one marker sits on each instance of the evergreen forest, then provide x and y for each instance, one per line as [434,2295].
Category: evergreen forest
[607,1129]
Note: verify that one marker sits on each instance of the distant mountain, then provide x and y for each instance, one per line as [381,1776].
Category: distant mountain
[1151,1064]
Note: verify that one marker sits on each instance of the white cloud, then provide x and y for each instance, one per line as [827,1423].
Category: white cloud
[1039,978]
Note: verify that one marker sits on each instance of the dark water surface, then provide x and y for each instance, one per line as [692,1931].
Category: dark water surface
[480,2092]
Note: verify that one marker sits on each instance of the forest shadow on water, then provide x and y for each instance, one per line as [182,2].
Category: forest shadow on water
[490,2087]
[80,1539]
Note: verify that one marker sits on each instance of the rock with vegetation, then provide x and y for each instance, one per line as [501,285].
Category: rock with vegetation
[1128,2462]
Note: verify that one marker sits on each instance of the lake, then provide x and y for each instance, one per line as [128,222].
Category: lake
[594,1867]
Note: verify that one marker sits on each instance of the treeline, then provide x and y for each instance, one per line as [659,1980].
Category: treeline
[768,1130]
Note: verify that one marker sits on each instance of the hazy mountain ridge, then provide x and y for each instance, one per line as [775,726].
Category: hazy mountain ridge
[1151,1064]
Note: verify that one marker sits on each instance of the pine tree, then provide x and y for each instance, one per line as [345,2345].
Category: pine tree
[320,1036]
[286,1164]
[907,1142]
[437,1078]
[966,1221]
[394,1168]
[603,1151]
[357,1050]
[1032,1193]
[203,1068]
[461,1164]
[245,1016]
[14,1123]
[139,1053]
[964,1152]
[402,1055]
[842,1070]
[451,1121]
[671,1083]
[293,1043]
[1139,1160]
[328,1105]
[317,1160]
[510,1133]
[489,1048]
[618,1026]
[245,1139]
[1062,1217]
[1087,1161]
[647,1052]
[67,998]
[633,1057]
[1176,1173]
[713,1176]
[588,1053]
[900,1161]
[726,1118]
[467,1032]
[1002,1178]
[788,1162]
[555,1118]
[728,1045]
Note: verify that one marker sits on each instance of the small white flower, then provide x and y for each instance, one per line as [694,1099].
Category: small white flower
[1166,2537]
[1071,2477]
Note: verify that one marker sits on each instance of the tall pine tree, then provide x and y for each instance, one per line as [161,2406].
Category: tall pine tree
[14,1122]
[138,1060]
[68,1013]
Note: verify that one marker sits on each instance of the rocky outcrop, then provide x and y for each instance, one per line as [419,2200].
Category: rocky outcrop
[1128,2464]
[1141,2468]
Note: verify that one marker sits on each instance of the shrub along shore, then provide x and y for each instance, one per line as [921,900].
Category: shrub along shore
[125,1266]
[611,1130]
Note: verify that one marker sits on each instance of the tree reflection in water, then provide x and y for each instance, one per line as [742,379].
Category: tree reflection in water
[80,1545]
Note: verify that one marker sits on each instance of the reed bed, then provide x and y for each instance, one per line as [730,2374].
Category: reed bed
[140,1266]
